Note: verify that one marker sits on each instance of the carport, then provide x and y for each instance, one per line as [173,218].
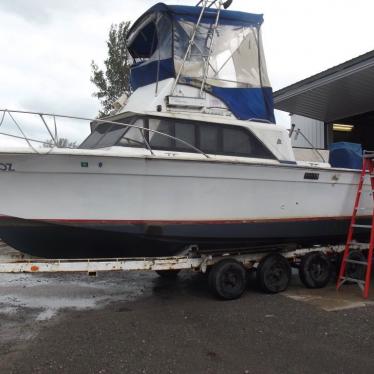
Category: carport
[342,97]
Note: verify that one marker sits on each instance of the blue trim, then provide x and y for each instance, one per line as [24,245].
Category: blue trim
[227,17]
[192,13]
[146,72]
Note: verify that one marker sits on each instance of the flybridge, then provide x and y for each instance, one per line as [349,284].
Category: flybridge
[216,51]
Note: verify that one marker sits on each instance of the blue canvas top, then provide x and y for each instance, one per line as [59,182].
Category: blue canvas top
[158,40]
[227,17]
[192,13]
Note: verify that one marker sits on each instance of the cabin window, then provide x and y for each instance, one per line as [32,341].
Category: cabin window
[236,141]
[104,135]
[133,137]
[187,133]
[112,135]
[109,135]
[157,140]
[209,138]
[95,136]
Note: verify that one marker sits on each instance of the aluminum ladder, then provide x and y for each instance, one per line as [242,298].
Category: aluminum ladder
[364,284]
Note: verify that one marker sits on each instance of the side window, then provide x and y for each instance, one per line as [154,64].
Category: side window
[187,133]
[133,136]
[104,135]
[95,136]
[241,142]
[158,140]
[236,141]
[209,138]
[112,136]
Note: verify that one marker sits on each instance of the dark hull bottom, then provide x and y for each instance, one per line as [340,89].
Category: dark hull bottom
[104,240]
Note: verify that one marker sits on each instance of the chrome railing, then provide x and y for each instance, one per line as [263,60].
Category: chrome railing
[53,133]
[298,132]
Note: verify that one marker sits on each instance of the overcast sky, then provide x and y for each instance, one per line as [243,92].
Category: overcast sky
[46,46]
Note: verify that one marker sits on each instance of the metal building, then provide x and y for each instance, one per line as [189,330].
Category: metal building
[342,98]
[312,129]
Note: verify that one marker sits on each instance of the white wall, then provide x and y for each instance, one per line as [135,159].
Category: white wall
[313,130]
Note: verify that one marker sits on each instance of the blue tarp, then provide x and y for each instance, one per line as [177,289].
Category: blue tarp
[346,155]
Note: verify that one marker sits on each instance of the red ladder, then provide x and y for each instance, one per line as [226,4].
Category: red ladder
[367,169]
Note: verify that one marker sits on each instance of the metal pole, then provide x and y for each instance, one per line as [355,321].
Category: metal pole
[207,59]
[90,119]
[46,126]
[192,39]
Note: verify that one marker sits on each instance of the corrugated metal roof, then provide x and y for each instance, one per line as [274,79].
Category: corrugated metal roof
[343,91]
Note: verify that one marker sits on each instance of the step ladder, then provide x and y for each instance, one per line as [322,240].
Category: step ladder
[364,284]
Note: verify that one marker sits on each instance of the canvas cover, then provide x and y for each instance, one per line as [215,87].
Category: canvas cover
[346,155]
[236,70]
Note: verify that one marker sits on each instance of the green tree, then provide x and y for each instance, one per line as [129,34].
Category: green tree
[114,80]
[61,143]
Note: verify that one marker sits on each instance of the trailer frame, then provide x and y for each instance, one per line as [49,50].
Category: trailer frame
[237,260]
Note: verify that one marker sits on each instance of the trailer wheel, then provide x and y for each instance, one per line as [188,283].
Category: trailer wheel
[273,273]
[168,274]
[227,279]
[315,270]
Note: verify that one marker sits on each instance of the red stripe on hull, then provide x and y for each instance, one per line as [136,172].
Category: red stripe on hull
[186,222]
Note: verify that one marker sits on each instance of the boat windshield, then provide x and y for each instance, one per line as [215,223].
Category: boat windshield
[108,134]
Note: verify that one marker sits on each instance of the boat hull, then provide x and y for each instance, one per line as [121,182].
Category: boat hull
[97,206]
[105,240]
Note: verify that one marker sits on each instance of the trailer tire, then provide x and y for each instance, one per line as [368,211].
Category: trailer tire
[315,270]
[273,273]
[228,279]
[168,274]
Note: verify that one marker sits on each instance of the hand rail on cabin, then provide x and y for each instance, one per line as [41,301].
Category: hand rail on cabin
[299,132]
[54,137]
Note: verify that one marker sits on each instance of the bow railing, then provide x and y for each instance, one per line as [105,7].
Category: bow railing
[53,131]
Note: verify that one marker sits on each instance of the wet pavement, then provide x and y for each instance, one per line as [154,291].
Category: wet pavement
[140,323]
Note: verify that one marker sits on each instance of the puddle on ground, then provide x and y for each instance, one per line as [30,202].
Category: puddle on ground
[51,294]
[329,299]
[28,301]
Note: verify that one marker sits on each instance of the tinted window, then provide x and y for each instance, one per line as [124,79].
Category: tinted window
[209,138]
[105,135]
[112,136]
[158,140]
[133,137]
[187,133]
[95,136]
[236,141]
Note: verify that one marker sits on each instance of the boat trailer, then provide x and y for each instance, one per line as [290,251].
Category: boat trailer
[227,271]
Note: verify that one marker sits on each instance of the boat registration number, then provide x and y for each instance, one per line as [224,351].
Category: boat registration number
[6,166]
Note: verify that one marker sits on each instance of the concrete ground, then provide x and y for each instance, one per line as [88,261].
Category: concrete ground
[140,323]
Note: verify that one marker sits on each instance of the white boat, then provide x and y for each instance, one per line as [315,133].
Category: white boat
[192,158]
